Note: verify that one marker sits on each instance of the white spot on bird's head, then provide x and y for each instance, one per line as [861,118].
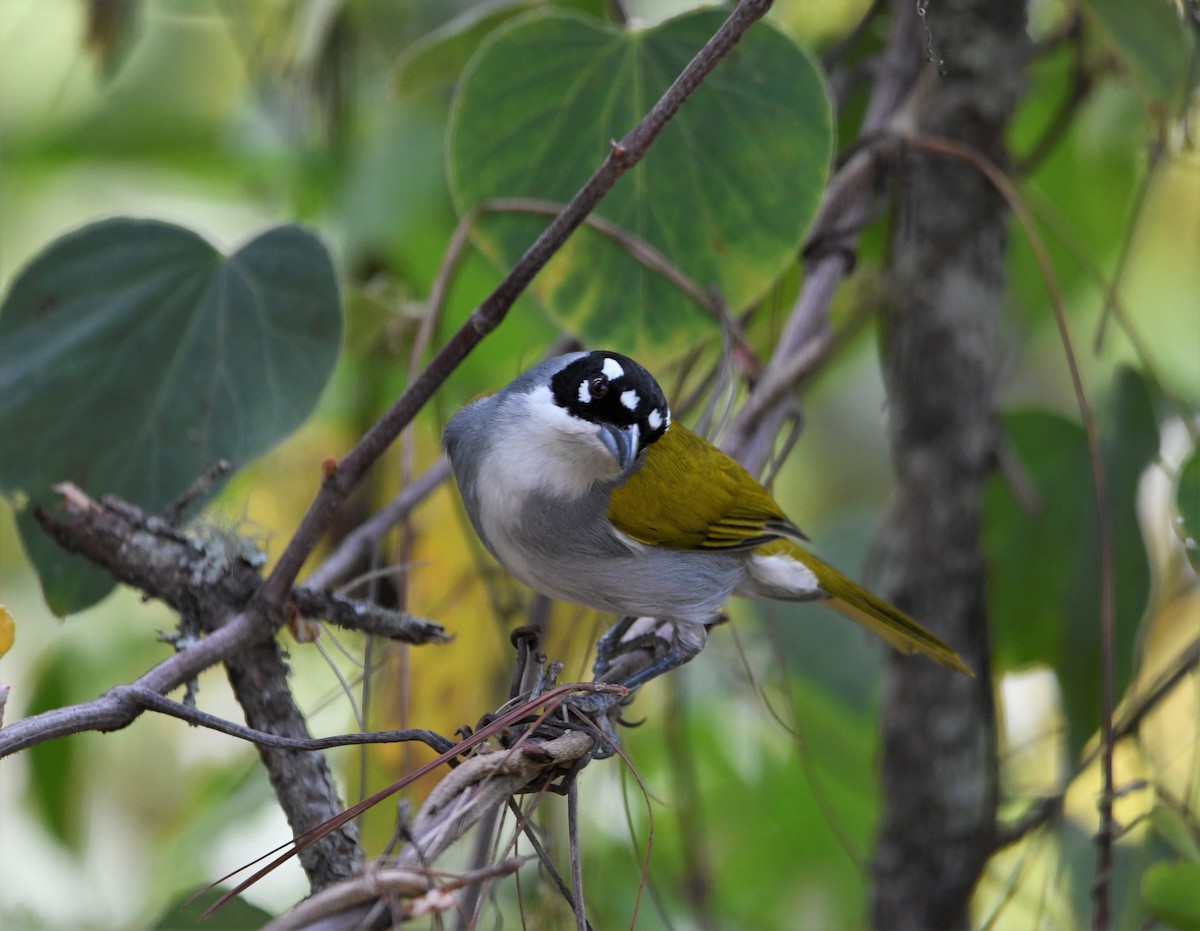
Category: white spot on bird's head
[585,396]
[612,368]
[630,399]
[654,419]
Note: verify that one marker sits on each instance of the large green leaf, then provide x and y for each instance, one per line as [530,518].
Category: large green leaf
[1033,554]
[1130,444]
[1045,585]
[134,354]
[1169,893]
[438,57]
[726,192]
[55,765]
[235,915]
[1153,39]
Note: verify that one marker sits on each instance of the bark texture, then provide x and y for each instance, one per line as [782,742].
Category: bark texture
[941,365]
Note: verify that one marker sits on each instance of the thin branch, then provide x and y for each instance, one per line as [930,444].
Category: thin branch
[543,855]
[1043,812]
[114,710]
[302,781]
[153,701]
[581,922]
[1184,663]
[368,617]
[341,562]
[378,882]
[1046,809]
[846,209]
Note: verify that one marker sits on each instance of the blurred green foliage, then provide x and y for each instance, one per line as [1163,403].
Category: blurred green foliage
[228,119]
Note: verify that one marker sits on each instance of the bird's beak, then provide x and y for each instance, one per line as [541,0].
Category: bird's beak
[622,442]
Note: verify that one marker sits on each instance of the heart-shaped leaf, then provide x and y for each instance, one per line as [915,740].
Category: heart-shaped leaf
[134,354]
[726,193]
[1044,591]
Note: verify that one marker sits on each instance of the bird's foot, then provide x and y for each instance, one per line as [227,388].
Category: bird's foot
[632,653]
[617,652]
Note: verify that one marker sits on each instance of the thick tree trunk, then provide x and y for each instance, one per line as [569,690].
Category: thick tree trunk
[949,242]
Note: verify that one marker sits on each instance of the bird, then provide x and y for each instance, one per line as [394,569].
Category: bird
[580,484]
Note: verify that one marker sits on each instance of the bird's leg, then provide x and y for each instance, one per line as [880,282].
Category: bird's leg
[610,645]
[688,641]
[616,661]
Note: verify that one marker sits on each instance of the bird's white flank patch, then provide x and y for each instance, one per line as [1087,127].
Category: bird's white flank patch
[612,368]
[585,396]
[655,419]
[781,576]
[630,399]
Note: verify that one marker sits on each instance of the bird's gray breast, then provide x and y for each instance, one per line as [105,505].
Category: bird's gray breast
[563,545]
[570,551]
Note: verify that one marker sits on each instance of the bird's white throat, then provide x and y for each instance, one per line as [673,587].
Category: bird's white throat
[557,455]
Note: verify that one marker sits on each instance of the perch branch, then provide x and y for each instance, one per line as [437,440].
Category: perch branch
[386,882]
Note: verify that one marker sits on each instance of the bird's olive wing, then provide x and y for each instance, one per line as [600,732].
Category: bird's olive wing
[690,495]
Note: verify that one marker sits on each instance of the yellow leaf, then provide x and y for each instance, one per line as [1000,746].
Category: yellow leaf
[8,630]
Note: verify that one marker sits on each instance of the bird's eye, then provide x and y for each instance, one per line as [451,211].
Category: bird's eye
[598,387]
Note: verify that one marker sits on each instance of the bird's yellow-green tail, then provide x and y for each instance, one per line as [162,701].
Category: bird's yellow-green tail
[851,600]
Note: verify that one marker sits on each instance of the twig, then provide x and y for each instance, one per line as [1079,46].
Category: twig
[367,617]
[581,922]
[543,855]
[1043,811]
[153,701]
[1081,86]
[173,512]
[695,841]
[1184,663]
[1113,287]
[338,564]
[846,209]
[111,711]
[382,881]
